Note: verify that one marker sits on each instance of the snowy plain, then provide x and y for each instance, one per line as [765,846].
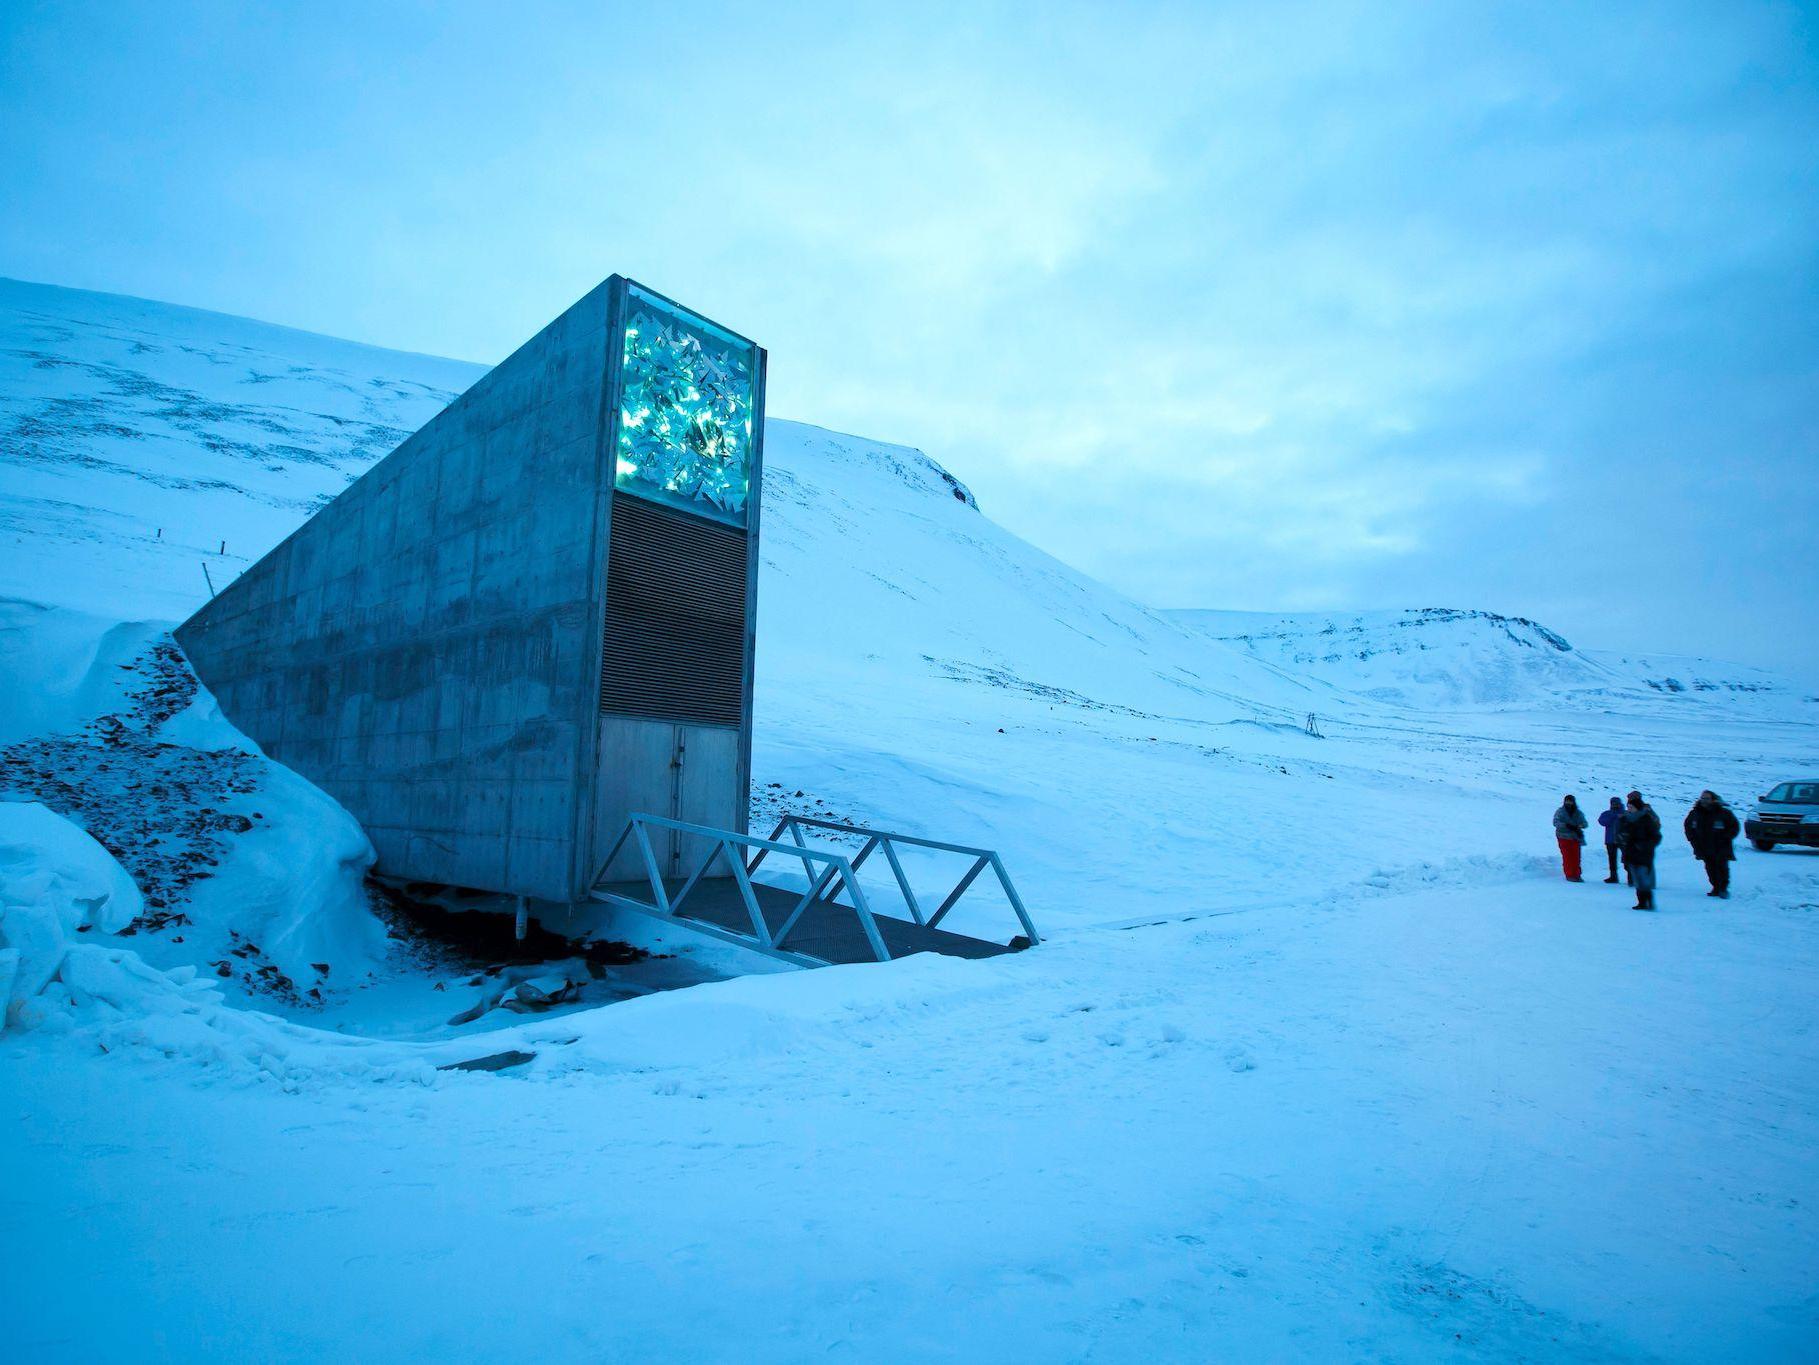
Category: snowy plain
[1321,1059]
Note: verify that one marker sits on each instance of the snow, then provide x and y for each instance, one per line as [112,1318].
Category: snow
[232,849]
[1321,1057]
[48,860]
[141,438]
[1299,1133]
[55,882]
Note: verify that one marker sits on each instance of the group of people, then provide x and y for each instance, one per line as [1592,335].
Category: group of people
[1632,833]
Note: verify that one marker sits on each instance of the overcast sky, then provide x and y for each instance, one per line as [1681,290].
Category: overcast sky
[1252,306]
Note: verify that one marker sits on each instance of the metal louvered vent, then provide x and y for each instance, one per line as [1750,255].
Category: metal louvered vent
[675,617]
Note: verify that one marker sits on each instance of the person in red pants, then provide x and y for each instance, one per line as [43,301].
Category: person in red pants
[1569,832]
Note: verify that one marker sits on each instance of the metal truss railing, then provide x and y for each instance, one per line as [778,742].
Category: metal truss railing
[876,840]
[826,872]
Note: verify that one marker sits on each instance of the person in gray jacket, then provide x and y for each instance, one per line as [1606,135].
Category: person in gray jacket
[1569,833]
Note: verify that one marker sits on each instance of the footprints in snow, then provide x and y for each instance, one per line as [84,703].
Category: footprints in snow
[1155,1041]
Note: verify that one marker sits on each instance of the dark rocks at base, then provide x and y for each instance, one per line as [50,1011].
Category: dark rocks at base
[156,807]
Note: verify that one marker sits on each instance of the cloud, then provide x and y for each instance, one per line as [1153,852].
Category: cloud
[1306,304]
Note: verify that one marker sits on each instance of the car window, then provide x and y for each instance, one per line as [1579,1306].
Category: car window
[1796,791]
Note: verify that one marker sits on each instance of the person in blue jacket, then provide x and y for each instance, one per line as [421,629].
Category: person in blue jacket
[1610,819]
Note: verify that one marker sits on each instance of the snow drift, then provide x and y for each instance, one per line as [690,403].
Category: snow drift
[233,859]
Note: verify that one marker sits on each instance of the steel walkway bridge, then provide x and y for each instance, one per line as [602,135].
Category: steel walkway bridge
[812,928]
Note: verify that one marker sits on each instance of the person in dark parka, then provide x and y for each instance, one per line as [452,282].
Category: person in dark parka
[1711,827]
[1638,836]
[1610,819]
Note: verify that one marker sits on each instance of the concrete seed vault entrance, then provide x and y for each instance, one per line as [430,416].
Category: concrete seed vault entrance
[535,620]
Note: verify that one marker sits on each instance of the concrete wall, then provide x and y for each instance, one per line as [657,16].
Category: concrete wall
[427,647]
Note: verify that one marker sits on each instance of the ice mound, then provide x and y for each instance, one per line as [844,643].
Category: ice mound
[56,883]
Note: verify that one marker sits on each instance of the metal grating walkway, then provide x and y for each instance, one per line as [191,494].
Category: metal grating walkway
[827,932]
[813,927]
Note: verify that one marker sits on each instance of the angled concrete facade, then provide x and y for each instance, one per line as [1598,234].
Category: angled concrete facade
[428,648]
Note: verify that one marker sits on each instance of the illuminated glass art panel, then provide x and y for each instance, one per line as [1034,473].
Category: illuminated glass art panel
[685,411]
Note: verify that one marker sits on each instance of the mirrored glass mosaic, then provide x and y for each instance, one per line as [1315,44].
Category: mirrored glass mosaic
[685,413]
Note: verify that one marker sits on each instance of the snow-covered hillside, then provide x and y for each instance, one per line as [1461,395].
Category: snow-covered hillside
[1440,659]
[1322,1058]
[140,439]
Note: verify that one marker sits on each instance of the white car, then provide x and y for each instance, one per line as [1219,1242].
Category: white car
[1785,814]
